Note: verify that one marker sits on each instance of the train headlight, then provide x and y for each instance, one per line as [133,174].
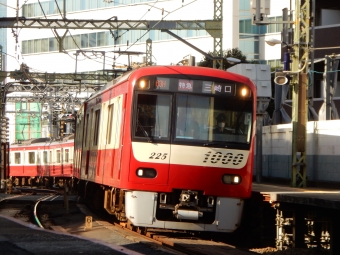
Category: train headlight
[146,172]
[231,179]
[143,84]
[245,92]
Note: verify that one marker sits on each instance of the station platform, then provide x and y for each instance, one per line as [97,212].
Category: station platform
[19,238]
[320,197]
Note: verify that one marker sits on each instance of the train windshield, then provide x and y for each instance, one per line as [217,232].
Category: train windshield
[212,119]
[153,116]
[193,112]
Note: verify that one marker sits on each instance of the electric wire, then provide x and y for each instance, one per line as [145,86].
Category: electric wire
[157,24]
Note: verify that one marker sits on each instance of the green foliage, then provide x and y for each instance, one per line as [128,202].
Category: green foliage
[234,53]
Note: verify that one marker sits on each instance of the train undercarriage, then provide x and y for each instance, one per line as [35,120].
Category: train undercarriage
[180,209]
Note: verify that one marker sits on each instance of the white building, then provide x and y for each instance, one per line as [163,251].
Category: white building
[38,48]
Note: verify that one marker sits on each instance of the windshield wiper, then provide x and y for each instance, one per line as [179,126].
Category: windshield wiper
[150,140]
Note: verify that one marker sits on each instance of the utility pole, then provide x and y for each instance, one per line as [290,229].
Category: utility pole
[299,84]
[299,52]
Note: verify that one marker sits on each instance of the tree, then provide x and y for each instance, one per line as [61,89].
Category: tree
[234,53]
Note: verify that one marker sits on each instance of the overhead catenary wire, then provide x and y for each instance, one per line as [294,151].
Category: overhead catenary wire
[158,23]
[115,58]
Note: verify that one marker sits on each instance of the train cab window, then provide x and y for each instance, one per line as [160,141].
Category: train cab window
[17,158]
[58,156]
[152,119]
[67,155]
[212,120]
[45,157]
[31,157]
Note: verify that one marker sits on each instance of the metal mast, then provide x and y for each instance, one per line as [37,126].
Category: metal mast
[217,34]
[299,84]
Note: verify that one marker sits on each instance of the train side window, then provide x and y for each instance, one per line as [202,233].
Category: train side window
[58,156]
[50,158]
[45,157]
[109,123]
[96,127]
[17,158]
[87,123]
[31,157]
[67,154]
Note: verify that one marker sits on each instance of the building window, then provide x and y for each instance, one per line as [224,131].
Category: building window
[101,39]
[93,40]
[85,41]
[53,44]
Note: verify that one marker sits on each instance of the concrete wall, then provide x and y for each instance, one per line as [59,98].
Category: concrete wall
[323,151]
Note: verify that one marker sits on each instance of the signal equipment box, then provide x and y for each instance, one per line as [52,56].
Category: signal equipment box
[258,73]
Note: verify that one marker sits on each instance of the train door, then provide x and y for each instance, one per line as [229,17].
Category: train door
[40,170]
[109,110]
[45,162]
[94,143]
[111,139]
[78,142]
[85,153]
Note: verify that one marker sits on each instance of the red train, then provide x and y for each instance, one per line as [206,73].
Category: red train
[169,147]
[42,161]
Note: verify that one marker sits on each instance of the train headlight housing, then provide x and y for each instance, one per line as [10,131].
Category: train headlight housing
[231,179]
[146,172]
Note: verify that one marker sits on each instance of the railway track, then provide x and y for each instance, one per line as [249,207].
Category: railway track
[177,241]
[48,211]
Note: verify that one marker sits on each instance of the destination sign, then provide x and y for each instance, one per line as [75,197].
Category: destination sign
[218,88]
[185,85]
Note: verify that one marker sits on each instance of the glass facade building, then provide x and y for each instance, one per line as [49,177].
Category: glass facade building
[90,40]
[249,34]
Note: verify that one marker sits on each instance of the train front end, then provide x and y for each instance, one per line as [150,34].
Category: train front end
[192,133]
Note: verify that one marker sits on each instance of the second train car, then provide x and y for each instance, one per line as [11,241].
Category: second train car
[41,162]
[169,147]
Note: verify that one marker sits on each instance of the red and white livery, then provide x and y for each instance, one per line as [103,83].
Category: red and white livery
[150,149]
[35,161]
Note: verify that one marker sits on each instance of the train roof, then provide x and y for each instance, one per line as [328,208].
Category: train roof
[44,141]
[188,70]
